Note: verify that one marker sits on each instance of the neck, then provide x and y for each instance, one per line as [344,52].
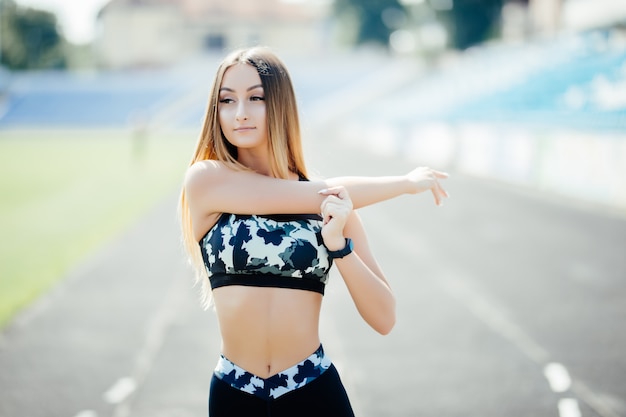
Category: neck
[256,160]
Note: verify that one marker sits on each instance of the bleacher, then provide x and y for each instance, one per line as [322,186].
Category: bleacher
[575,81]
[94,100]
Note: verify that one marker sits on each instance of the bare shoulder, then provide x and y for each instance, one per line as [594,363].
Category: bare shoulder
[203,175]
[201,172]
[200,182]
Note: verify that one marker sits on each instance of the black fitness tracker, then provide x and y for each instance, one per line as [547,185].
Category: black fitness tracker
[347,250]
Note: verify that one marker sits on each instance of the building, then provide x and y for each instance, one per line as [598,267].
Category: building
[134,33]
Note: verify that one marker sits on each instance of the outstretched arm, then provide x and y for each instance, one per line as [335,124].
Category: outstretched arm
[365,191]
[213,187]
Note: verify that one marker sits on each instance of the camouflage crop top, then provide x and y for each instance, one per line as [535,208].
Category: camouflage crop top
[284,251]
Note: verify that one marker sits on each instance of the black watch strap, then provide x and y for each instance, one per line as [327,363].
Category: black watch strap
[342,252]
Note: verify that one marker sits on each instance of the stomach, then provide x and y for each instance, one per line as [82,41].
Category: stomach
[267,330]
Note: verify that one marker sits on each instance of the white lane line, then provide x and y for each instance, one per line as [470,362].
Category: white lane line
[87,413]
[120,394]
[123,388]
[568,407]
[494,315]
[156,331]
[557,377]
[599,403]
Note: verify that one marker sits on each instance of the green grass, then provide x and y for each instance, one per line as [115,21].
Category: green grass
[62,194]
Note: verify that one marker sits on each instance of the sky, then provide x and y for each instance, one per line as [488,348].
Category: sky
[76,17]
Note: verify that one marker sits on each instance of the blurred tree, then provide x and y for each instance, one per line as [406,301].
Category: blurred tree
[29,38]
[375,19]
[471,21]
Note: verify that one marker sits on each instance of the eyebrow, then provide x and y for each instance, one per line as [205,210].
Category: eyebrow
[247,89]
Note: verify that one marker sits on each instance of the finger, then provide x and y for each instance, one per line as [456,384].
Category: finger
[440,174]
[326,200]
[436,196]
[335,210]
[339,191]
[441,194]
[440,189]
[438,193]
[331,199]
[329,215]
[326,212]
[444,192]
[329,207]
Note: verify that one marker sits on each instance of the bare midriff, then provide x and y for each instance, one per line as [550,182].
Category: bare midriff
[267,330]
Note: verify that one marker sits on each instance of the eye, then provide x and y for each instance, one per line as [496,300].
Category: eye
[226,100]
[257,98]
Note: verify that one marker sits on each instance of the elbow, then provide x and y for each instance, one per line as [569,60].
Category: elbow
[386,326]
[385,321]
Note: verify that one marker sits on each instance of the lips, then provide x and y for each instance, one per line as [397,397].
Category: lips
[244,128]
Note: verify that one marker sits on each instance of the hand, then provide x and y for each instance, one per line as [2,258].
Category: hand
[335,208]
[424,178]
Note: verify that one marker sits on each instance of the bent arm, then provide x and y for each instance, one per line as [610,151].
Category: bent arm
[365,280]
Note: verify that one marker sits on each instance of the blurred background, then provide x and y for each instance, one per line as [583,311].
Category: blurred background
[440,72]
[522,101]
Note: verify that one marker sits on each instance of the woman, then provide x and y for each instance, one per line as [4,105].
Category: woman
[250,221]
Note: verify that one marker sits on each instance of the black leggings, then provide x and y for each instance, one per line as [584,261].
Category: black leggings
[325,396]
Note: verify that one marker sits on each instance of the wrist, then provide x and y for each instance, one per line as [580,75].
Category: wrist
[407,185]
[335,243]
[345,251]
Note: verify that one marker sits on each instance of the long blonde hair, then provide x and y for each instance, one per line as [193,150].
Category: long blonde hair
[284,138]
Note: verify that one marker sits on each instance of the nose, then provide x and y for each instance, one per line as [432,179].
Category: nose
[242,113]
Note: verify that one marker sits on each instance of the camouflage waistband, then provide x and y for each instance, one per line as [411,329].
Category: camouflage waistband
[273,387]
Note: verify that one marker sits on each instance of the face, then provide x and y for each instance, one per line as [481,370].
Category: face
[241,108]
